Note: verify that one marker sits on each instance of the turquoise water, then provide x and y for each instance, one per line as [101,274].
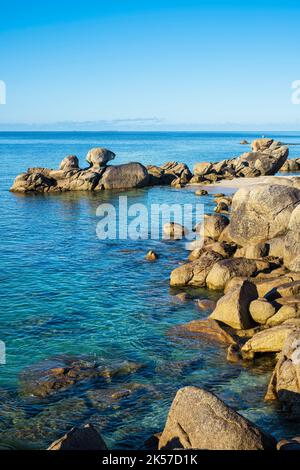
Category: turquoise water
[64,292]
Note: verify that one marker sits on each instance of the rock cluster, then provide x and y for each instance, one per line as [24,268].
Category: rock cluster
[255,259]
[266,158]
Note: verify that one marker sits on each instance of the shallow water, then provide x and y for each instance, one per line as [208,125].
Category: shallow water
[64,292]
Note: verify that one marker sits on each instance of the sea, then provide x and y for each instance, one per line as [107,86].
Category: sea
[66,293]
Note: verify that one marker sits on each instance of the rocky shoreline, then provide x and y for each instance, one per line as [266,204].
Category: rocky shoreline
[250,253]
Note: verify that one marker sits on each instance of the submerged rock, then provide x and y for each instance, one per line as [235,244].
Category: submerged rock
[198,419]
[59,374]
[83,438]
[207,328]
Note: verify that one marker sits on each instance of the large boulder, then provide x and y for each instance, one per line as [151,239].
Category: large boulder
[261,310]
[233,308]
[195,273]
[99,157]
[292,242]
[262,212]
[129,175]
[198,419]
[285,381]
[83,438]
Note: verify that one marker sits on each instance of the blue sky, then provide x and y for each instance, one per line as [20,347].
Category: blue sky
[150,64]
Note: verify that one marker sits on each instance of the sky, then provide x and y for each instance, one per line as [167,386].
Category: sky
[150,65]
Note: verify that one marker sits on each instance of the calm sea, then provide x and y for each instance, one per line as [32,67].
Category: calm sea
[64,292]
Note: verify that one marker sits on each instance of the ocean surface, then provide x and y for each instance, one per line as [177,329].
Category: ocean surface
[64,292]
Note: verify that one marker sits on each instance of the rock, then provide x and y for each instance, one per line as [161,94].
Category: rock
[261,212]
[174,231]
[235,282]
[71,178]
[83,438]
[269,340]
[207,328]
[200,420]
[151,256]
[284,384]
[233,354]
[212,226]
[129,175]
[258,251]
[194,273]
[69,163]
[201,169]
[233,308]
[286,312]
[183,296]
[222,207]
[261,144]
[99,157]
[59,374]
[261,310]
[287,290]
[290,444]
[276,247]
[226,269]
[175,170]
[244,142]
[201,192]
[267,286]
[292,242]
[206,304]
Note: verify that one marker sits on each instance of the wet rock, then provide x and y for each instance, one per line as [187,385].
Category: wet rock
[292,242]
[151,256]
[270,340]
[233,354]
[201,192]
[194,273]
[83,438]
[233,308]
[174,231]
[200,420]
[206,304]
[289,444]
[261,212]
[59,374]
[183,297]
[261,310]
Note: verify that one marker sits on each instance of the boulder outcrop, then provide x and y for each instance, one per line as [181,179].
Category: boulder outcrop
[198,419]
